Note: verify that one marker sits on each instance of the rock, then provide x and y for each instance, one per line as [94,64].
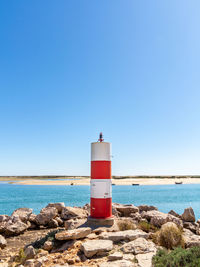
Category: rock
[172,212]
[136,216]
[92,236]
[4,218]
[29,252]
[118,263]
[69,213]
[23,213]
[115,256]
[48,245]
[125,210]
[46,215]
[60,221]
[146,208]
[188,215]
[124,235]
[29,263]
[74,223]
[73,234]
[129,257]
[96,247]
[59,206]
[52,223]
[65,246]
[145,260]
[41,261]
[191,226]
[32,218]
[139,246]
[191,240]
[3,242]
[15,228]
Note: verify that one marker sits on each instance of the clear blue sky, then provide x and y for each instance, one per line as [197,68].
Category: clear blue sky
[70,69]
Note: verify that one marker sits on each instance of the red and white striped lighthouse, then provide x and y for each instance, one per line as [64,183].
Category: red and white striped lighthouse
[101,184]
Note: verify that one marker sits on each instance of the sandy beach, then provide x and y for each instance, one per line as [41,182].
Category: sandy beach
[128,181]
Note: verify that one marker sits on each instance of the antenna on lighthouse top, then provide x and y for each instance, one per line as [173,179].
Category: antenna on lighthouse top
[101,137]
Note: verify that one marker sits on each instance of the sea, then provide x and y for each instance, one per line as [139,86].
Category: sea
[164,197]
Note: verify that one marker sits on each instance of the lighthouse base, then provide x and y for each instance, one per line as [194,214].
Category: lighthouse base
[101,222]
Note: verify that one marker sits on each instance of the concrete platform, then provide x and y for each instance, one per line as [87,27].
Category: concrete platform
[100,222]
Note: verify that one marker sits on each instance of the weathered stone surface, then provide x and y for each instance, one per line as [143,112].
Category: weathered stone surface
[124,235]
[188,215]
[191,240]
[29,252]
[23,213]
[73,234]
[59,206]
[46,215]
[145,260]
[59,220]
[65,246]
[74,223]
[15,227]
[53,223]
[191,226]
[125,210]
[29,263]
[139,246]
[96,247]
[4,218]
[48,245]
[118,263]
[172,212]
[146,208]
[115,256]
[3,242]
[69,212]
[32,218]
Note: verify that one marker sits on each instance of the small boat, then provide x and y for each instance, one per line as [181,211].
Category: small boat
[72,183]
[135,184]
[113,184]
[178,182]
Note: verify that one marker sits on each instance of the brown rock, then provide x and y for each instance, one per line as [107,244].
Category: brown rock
[125,210]
[59,206]
[73,234]
[46,215]
[69,213]
[23,213]
[96,247]
[138,246]
[188,215]
[146,208]
[3,242]
[29,252]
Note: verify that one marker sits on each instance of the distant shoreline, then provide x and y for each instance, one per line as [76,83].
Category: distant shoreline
[85,180]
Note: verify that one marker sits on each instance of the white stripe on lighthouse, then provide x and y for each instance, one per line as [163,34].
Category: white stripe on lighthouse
[100,151]
[101,188]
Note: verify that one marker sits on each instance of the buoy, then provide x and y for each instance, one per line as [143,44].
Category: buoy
[101,184]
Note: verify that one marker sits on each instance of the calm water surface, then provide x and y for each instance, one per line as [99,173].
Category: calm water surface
[165,197]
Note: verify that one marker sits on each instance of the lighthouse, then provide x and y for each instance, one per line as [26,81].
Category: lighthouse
[101,184]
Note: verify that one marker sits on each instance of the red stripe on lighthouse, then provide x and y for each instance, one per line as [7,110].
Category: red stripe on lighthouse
[101,207]
[101,170]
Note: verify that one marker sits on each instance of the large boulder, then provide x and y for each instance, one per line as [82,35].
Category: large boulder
[96,247]
[69,213]
[4,218]
[15,227]
[125,210]
[3,242]
[23,213]
[191,240]
[188,215]
[123,235]
[73,234]
[139,246]
[29,252]
[145,260]
[59,206]
[46,215]
[74,223]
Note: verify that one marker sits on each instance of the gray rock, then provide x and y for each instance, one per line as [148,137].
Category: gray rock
[53,223]
[29,263]
[46,215]
[125,210]
[96,247]
[29,252]
[146,208]
[3,242]
[118,263]
[15,228]
[115,256]
[191,226]
[73,234]
[74,223]
[145,260]
[123,235]
[48,245]
[139,246]
[188,215]
[69,213]
[23,213]
[191,240]
[59,206]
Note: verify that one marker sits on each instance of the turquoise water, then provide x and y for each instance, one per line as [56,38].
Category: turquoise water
[165,197]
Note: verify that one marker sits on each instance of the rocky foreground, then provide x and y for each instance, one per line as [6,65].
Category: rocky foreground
[63,236]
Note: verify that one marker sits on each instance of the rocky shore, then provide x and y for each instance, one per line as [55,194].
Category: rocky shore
[63,236]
